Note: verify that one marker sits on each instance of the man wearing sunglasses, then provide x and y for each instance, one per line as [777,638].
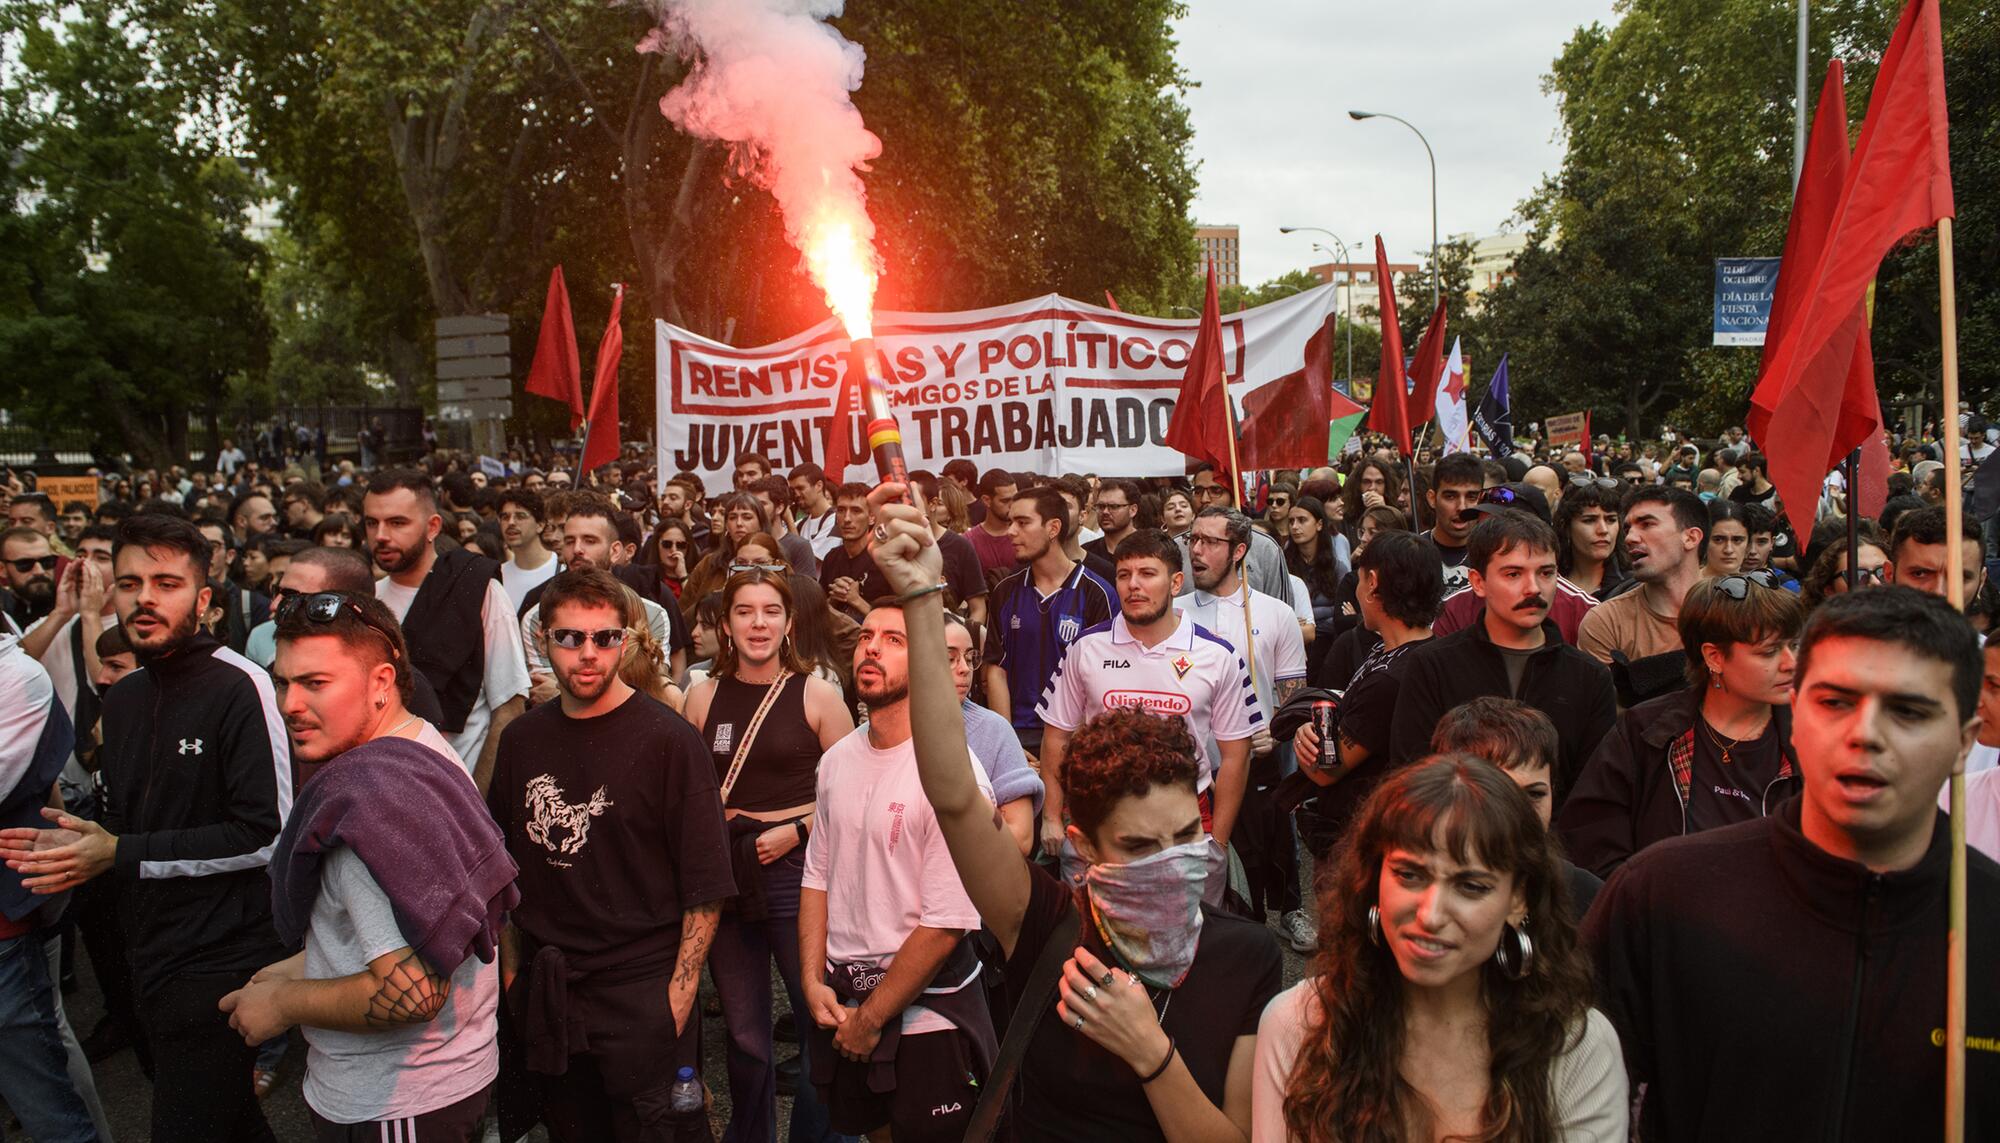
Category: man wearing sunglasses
[591,540]
[391,991]
[31,576]
[198,780]
[610,806]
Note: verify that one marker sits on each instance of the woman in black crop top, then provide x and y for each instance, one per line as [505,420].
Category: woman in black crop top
[768,799]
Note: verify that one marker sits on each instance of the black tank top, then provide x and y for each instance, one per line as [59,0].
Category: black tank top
[784,760]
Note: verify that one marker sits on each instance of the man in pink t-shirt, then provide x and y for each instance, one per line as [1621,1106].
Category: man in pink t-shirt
[890,979]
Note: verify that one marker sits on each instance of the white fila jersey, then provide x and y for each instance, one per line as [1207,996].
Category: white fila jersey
[1191,673]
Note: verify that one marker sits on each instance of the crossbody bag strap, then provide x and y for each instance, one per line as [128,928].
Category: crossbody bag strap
[750,734]
[1035,1004]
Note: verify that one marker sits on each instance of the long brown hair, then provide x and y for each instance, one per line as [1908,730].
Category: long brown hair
[1347,1083]
[788,650]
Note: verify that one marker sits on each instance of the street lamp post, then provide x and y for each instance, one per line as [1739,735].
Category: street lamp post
[1435,268]
[1346,260]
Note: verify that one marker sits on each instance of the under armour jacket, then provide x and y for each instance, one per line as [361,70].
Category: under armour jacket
[198,780]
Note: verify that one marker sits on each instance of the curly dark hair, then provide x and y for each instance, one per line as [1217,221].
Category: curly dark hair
[1345,1083]
[1120,754]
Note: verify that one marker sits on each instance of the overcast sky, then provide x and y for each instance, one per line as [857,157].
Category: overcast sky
[1276,146]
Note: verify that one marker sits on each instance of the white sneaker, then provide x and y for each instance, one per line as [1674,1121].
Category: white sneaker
[1297,930]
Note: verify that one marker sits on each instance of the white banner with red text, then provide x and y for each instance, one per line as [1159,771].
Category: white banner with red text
[1048,385]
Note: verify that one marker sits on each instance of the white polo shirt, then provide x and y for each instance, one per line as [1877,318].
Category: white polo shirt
[1192,673]
[1281,647]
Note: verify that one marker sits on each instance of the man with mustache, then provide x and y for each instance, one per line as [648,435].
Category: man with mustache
[611,808]
[197,776]
[1515,651]
[1666,540]
[454,612]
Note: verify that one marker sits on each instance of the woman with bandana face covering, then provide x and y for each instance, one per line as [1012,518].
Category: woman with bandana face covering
[1149,1030]
[1449,998]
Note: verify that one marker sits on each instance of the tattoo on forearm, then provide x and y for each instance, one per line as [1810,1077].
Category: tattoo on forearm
[1286,689]
[410,994]
[695,940]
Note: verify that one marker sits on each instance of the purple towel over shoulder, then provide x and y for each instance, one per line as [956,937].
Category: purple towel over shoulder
[418,823]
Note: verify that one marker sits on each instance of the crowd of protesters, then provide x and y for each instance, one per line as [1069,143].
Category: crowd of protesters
[1600,795]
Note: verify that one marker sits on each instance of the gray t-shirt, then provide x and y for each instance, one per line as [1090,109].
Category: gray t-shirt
[1517,665]
[994,745]
[357,1077]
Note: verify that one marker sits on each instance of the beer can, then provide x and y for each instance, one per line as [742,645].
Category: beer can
[1325,721]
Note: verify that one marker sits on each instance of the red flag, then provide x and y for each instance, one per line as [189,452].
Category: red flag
[1427,369]
[1813,204]
[1199,427]
[556,374]
[1389,413]
[600,440]
[839,450]
[1898,181]
[1284,420]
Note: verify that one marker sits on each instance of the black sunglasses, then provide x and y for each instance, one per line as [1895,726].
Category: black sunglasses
[24,566]
[323,607]
[1585,480]
[569,638]
[1737,587]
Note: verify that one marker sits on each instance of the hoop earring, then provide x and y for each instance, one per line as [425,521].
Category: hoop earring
[1374,926]
[1515,965]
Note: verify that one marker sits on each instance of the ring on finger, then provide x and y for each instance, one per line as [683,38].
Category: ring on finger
[1077,1023]
[1090,993]
[882,533]
[1106,978]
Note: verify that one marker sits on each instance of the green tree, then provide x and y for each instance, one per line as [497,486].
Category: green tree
[130,300]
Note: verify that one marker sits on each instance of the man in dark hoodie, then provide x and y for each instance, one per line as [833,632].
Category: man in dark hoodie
[394,876]
[1515,651]
[198,780]
[1784,978]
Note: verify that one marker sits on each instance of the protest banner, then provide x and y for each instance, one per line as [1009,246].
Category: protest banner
[1569,429]
[1743,291]
[63,489]
[1044,385]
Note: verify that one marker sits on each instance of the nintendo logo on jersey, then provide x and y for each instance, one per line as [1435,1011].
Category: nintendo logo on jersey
[1158,702]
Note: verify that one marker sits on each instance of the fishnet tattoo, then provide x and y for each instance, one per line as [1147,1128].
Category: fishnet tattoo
[409,993]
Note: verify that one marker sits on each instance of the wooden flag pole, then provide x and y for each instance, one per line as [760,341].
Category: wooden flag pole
[1243,572]
[1954,499]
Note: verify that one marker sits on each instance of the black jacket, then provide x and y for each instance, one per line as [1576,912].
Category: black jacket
[1627,799]
[1566,684]
[198,780]
[1765,989]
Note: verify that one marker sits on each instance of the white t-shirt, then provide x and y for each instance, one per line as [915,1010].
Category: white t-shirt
[1193,673]
[1982,807]
[819,531]
[520,581]
[1281,648]
[431,736]
[878,855]
[59,660]
[506,665]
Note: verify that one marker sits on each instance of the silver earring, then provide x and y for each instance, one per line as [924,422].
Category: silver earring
[1374,925]
[1517,963]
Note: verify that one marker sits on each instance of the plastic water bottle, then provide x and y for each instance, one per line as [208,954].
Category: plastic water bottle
[686,1096]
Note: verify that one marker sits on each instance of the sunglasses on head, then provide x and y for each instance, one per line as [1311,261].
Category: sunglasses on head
[737,569]
[322,607]
[569,638]
[1737,587]
[1585,480]
[24,566]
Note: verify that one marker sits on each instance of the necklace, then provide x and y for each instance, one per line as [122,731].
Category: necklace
[1721,743]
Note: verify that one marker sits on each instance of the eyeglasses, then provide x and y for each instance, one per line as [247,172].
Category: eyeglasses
[1196,539]
[24,566]
[1585,480]
[737,569]
[569,638]
[1737,587]
[962,658]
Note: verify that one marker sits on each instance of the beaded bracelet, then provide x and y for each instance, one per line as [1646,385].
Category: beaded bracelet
[1162,1069]
[913,596]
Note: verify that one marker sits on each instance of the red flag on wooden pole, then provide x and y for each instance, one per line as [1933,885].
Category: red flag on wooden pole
[1200,424]
[556,373]
[1389,413]
[600,439]
[1899,180]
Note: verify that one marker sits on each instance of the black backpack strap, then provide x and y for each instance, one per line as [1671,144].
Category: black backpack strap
[1035,1004]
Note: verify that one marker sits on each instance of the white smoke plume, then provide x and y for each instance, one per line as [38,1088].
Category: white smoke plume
[772,79]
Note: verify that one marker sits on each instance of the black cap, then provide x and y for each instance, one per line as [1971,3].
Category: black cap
[1502,497]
